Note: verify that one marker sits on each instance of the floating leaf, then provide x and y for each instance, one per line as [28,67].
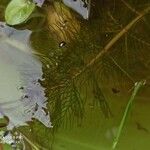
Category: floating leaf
[18,11]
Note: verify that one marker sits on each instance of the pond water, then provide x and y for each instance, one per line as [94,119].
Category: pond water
[66,79]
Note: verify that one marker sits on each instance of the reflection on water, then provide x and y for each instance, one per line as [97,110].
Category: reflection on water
[81,6]
[21,95]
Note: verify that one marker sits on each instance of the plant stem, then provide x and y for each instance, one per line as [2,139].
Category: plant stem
[110,44]
[30,142]
[114,40]
[137,87]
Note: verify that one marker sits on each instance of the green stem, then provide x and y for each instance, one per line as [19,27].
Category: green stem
[30,142]
[137,87]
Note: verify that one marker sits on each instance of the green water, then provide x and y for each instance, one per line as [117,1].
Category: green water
[73,97]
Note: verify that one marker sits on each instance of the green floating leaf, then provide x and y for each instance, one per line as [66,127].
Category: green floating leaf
[18,11]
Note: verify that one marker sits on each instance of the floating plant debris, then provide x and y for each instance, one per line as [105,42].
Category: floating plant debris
[115,91]
[140,127]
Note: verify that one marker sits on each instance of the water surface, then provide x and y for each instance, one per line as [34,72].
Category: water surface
[55,101]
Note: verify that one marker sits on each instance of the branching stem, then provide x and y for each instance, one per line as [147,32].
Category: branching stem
[114,40]
[108,47]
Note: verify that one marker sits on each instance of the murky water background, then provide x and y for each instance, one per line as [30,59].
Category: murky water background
[38,89]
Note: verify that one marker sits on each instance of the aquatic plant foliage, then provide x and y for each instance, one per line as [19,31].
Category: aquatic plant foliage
[63,25]
[87,78]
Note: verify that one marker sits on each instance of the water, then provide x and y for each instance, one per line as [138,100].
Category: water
[56,98]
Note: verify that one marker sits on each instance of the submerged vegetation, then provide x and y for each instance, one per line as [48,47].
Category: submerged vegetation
[87,66]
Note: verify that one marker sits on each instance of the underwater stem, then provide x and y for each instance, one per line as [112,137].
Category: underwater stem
[130,7]
[32,144]
[114,40]
[108,46]
[137,87]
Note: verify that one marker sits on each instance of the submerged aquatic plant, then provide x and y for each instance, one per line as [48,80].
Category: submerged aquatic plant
[109,51]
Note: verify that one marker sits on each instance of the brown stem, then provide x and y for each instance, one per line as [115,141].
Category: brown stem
[130,7]
[111,43]
[114,40]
